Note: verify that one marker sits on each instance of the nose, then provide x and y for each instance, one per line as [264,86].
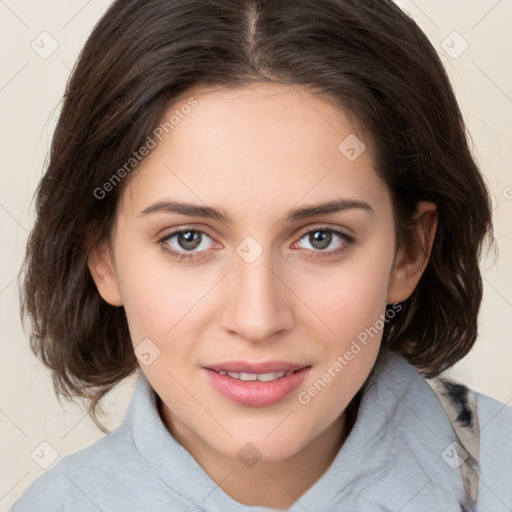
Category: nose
[258,303]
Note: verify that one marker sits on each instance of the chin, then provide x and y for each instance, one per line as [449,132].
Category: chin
[266,444]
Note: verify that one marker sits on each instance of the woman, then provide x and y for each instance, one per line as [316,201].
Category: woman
[271,209]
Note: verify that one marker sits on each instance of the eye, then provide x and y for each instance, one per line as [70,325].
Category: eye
[185,243]
[191,244]
[320,239]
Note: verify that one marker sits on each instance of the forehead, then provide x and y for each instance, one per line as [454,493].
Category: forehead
[259,148]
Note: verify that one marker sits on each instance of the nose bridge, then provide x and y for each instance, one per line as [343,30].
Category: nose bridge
[257,304]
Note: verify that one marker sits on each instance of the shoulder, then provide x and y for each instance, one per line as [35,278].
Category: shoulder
[493,412]
[78,479]
[495,425]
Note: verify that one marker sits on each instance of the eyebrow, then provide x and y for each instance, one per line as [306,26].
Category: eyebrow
[297,214]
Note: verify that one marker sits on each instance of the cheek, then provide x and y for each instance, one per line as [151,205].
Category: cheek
[157,294]
[350,296]
[355,315]
[352,304]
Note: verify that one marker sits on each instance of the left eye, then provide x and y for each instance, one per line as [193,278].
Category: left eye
[321,239]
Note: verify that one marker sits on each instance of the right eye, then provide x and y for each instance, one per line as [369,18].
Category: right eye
[185,243]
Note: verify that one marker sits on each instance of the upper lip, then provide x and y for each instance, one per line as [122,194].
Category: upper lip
[261,367]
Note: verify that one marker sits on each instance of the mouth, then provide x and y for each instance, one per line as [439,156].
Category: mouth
[256,384]
[262,377]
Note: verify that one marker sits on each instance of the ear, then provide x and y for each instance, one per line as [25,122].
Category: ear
[411,261]
[102,269]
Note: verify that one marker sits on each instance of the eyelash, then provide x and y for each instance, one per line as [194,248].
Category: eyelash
[347,239]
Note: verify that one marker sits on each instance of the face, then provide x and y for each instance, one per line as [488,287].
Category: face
[252,280]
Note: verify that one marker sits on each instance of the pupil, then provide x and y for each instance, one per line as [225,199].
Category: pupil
[321,238]
[189,239]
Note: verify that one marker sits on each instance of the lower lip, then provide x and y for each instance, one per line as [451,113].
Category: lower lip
[256,393]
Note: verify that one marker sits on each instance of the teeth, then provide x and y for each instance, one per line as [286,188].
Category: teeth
[264,377]
[267,377]
[248,376]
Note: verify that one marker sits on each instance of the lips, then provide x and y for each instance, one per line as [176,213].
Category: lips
[256,384]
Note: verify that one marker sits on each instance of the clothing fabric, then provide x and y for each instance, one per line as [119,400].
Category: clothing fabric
[399,456]
[460,404]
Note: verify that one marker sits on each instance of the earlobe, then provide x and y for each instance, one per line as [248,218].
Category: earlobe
[104,275]
[410,262]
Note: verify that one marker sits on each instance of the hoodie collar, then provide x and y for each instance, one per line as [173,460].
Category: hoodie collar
[392,459]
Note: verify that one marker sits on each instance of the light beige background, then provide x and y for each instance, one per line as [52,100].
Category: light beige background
[30,90]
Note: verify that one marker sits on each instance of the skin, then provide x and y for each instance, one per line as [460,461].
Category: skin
[256,153]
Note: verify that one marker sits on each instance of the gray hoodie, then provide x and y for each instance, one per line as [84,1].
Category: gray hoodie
[401,455]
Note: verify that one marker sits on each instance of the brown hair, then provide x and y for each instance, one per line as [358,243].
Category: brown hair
[143,55]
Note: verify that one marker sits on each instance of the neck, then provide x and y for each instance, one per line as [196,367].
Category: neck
[275,484]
